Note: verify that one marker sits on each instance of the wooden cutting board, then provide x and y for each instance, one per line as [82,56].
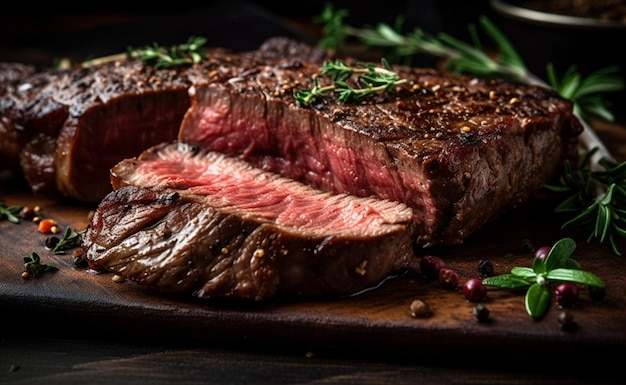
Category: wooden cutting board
[72,300]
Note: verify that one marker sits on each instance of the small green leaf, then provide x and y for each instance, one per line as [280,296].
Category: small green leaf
[537,300]
[10,213]
[539,266]
[560,253]
[506,281]
[576,276]
[524,272]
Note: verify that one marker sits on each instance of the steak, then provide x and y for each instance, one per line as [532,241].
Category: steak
[65,129]
[459,151]
[185,220]
[261,195]
[11,144]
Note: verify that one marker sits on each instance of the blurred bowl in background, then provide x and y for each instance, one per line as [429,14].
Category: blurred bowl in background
[578,14]
[589,35]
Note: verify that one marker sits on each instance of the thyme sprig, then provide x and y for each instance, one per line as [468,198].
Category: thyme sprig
[33,266]
[558,266]
[11,213]
[70,240]
[371,78]
[185,54]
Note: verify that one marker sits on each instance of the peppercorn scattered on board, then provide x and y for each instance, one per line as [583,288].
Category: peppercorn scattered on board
[74,300]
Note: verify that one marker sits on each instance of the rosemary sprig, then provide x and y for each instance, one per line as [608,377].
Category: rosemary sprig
[558,266]
[587,93]
[11,213]
[371,78]
[594,199]
[165,57]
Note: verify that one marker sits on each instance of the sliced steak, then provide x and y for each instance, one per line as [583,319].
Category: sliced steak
[95,116]
[459,151]
[185,220]
[22,117]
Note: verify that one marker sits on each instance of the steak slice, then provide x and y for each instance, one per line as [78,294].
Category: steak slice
[459,151]
[185,220]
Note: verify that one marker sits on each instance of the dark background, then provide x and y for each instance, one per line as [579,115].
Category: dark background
[55,31]
[238,24]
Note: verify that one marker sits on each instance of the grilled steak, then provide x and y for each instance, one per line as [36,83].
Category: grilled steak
[91,118]
[10,75]
[185,220]
[82,121]
[460,151]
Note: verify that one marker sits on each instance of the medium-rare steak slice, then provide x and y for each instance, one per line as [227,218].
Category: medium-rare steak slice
[460,151]
[185,220]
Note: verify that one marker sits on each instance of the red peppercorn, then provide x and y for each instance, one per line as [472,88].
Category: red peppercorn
[566,294]
[430,266]
[448,278]
[542,252]
[474,290]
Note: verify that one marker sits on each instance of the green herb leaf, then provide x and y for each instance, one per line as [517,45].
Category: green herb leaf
[537,300]
[70,240]
[595,200]
[539,266]
[523,272]
[575,276]
[560,253]
[372,79]
[185,54]
[507,281]
[34,267]
[10,213]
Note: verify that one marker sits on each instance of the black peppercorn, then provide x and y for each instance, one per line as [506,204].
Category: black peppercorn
[526,246]
[480,312]
[597,293]
[485,268]
[566,320]
[52,242]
